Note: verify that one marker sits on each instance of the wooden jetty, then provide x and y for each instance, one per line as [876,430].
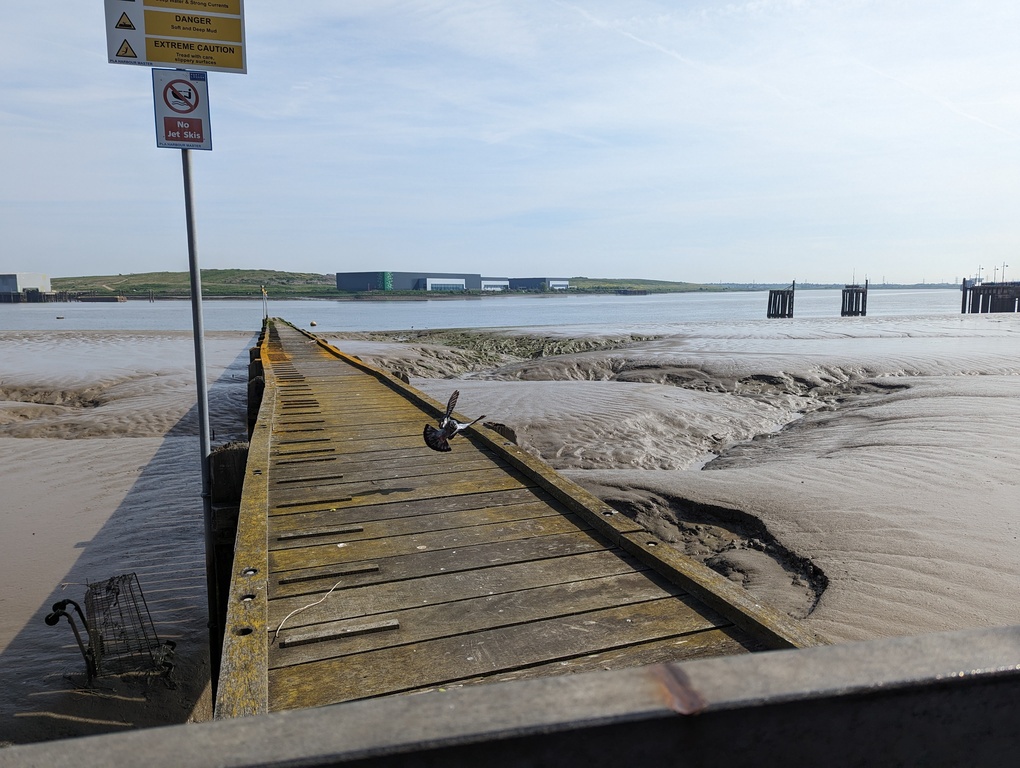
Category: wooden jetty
[990,297]
[855,300]
[781,301]
[367,565]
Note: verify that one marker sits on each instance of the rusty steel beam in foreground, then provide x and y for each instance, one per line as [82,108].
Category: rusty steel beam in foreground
[945,699]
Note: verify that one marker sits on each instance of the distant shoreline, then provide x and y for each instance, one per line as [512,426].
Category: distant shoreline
[478,296]
[249,284]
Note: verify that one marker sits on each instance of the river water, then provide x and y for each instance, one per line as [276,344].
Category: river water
[488,312]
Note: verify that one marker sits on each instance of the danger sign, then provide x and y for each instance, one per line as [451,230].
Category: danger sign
[181,100]
[192,34]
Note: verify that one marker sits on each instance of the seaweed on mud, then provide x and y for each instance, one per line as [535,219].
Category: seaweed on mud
[69,398]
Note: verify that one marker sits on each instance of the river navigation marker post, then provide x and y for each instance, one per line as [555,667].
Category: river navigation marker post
[195,37]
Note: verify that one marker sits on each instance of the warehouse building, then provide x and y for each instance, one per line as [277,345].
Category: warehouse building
[355,282]
[25,287]
[495,283]
[407,281]
[539,284]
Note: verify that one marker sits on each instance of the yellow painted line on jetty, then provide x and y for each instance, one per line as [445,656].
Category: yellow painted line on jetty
[394,569]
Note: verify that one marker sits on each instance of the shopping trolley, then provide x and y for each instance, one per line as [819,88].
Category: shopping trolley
[121,636]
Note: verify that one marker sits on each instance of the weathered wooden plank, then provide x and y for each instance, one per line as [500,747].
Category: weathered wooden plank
[433,483]
[303,535]
[289,478]
[337,570]
[391,410]
[317,533]
[397,669]
[302,581]
[724,641]
[371,461]
[320,459]
[342,443]
[387,597]
[480,613]
[284,443]
[372,549]
[397,492]
[324,633]
[386,511]
[379,432]
[297,455]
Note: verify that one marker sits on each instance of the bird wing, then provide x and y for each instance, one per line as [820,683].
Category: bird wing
[461,427]
[452,403]
[435,439]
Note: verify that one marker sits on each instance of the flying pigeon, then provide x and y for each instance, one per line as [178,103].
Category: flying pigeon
[438,439]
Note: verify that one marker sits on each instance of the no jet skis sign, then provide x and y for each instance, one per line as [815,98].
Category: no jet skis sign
[181,99]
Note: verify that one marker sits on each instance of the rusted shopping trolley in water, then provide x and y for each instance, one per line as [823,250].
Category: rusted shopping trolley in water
[121,636]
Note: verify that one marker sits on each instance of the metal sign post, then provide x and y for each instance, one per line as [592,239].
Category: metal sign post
[185,33]
[181,102]
[204,440]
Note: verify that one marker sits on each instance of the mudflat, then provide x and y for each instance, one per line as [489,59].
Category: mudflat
[858,474]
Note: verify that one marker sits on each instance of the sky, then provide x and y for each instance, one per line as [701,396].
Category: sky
[746,141]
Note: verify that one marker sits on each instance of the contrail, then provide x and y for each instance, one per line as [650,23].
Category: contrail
[601,24]
[939,100]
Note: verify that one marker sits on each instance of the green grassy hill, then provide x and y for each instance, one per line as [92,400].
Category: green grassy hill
[233,283]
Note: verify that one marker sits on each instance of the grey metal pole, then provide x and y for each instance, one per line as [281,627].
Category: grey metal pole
[212,589]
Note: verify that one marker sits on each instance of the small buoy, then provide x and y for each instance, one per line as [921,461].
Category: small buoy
[313,323]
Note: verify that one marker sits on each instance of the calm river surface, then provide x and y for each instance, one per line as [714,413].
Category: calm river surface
[487,312]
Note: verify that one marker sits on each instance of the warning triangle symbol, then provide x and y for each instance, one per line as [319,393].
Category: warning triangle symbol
[124,22]
[126,51]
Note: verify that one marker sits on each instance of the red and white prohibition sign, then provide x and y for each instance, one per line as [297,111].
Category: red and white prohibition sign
[181,96]
[180,99]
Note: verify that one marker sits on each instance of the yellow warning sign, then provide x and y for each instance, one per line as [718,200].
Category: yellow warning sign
[190,34]
[194,54]
[194,26]
[126,51]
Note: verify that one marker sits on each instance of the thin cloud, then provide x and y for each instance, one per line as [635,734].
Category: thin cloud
[950,106]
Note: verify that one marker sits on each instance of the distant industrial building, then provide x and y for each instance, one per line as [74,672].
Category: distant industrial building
[539,284]
[25,287]
[355,282]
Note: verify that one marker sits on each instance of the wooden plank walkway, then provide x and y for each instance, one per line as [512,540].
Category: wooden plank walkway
[394,569]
